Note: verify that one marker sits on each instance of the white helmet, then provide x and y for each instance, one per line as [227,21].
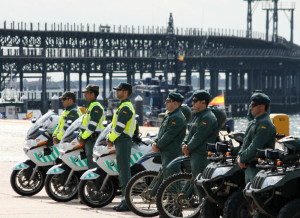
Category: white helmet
[51,123]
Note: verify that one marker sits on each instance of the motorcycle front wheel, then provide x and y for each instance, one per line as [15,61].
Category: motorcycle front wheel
[90,194]
[21,184]
[58,191]
[177,197]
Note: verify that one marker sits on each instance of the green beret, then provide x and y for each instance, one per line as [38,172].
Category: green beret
[124,86]
[202,95]
[260,98]
[176,96]
[68,94]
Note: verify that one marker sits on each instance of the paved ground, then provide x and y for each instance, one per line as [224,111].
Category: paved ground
[12,135]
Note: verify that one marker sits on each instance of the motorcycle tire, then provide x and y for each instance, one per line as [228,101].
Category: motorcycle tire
[22,186]
[236,206]
[56,189]
[137,194]
[209,209]
[171,200]
[290,210]
[92,197]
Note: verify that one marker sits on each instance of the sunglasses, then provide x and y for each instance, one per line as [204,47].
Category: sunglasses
[254,104]
[195,100]
[169,100]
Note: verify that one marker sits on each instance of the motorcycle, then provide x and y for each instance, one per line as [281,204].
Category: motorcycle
[222,180]
[62,180]
[98,186]
[274,191]
[28,177]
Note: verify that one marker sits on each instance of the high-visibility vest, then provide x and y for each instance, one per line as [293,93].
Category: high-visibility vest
[59,131]
[129,127]
[87,120]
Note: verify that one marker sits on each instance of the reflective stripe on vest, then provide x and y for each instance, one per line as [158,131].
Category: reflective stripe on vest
[130,125]
[87,119]
[59,131]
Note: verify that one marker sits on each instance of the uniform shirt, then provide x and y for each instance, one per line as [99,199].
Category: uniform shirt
[95,115]
[73,115]
[260,133]
[204,129]
[171,132]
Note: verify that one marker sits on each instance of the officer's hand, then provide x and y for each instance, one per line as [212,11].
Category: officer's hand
[80,141]
[242,165]
[55,140]
[109,143]
[154,148]
[185,150]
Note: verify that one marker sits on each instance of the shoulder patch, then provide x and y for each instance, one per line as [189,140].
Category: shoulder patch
[96,111]
[71,115]
[173,122]
[204,123]
[125,112]
[263,127]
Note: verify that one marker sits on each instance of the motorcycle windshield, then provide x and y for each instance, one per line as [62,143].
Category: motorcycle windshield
[69,134]
[38,124]
[102,137]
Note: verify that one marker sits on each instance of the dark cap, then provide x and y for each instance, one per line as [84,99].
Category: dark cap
[125,86]
[92,88]
[176,96]
[202,95]
[260,98]
[68,94]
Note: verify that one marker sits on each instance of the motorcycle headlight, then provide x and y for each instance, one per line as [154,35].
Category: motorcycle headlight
[272,180]
[220,171]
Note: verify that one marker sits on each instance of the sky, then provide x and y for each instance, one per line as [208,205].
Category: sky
[201,14]
[205,14]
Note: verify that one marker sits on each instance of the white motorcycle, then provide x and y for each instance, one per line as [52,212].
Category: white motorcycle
[28,177]
[98,186]
[62,180]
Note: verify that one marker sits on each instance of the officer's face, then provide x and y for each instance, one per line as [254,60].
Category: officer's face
[88,96]
[121,94]
[169,104]
[199,105]
[66,102]
[257,109]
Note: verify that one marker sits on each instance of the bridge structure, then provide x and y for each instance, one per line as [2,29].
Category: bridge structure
[246,63]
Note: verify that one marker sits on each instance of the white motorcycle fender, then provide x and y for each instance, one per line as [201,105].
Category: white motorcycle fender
[21,166]
[90,174]
[57,169]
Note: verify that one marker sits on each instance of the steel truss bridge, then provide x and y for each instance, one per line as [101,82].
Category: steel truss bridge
[108,53]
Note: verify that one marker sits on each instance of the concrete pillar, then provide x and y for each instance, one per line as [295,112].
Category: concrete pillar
[214,82]
[188,76]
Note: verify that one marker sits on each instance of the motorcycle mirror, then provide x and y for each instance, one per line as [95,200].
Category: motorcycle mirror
[69,122]
[137,117]
[33,120]
[75,133]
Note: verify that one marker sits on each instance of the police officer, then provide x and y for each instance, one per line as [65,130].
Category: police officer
[91,123]
[123,127]
[71,113]
[171,134]
[249,114]
[260,133]
[204,129]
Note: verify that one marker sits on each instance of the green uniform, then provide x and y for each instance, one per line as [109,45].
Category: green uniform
[170,136]
[91,127]
[122,131]
[70,113]
[260,134]
[204,129]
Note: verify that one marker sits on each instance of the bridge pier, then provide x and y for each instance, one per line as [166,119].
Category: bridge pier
[202,78]
[80,83]
[44,99]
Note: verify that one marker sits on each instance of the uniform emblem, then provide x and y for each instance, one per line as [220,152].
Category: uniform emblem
[124,112]
[76,159]
[263,127]
[173,123]
[71,115]
[204,123]
[96,111]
